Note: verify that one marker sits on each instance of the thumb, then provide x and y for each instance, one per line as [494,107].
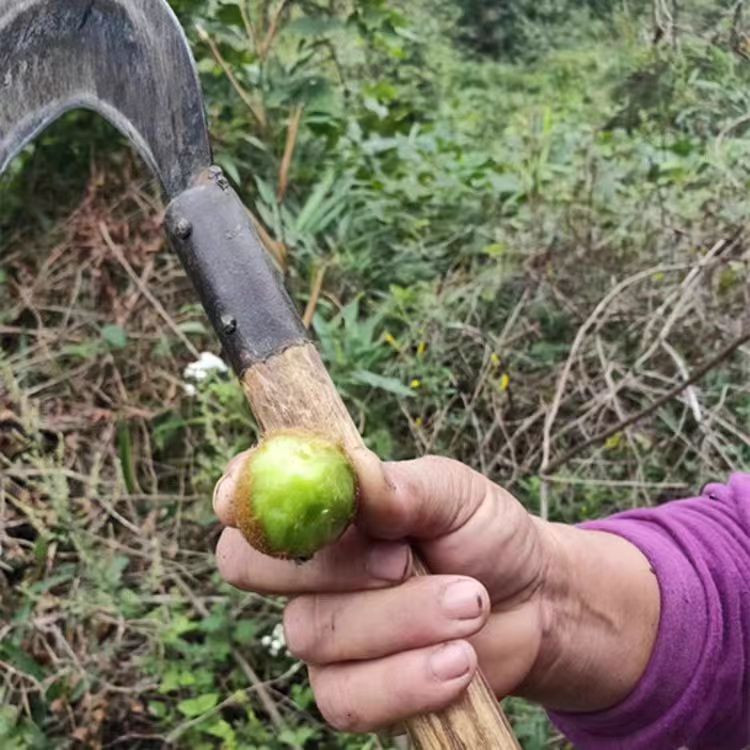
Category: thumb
[423,498]
[461,521]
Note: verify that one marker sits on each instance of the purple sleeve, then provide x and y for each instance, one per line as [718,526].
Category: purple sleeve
[695,691]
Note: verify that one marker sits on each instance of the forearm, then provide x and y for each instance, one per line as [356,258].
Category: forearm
[695,690]
[601,615]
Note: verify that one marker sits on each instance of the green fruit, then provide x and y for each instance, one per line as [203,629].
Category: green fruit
[297,493]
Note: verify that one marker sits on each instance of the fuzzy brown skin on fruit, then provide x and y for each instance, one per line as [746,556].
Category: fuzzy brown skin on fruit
[296,493]
[246,521]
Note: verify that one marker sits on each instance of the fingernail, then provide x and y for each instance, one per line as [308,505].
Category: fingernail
[462,600]
[388,561]
[450,661]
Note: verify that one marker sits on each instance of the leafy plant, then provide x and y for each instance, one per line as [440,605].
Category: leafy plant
[453,192]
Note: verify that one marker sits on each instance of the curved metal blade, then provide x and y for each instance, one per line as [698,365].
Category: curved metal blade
[126,59]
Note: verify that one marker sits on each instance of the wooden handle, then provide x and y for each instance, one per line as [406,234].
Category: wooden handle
[293,389]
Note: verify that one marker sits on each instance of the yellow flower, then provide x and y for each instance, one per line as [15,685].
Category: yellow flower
[415,384]
[419,421]
[421,348]
[390,340]
[613,441]
[504,382]
[495,359]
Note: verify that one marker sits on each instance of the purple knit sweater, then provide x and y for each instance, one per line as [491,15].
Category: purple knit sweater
[695,692]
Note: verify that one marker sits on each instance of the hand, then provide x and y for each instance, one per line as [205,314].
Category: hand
[557,614]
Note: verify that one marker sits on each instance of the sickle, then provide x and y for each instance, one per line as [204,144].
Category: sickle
[129,61]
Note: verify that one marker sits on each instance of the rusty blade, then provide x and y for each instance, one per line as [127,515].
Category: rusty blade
[128,60]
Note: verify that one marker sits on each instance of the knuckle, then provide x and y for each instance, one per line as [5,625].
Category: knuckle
[295,628]
[309,627]
[226,560]
[443,467]
[333,698]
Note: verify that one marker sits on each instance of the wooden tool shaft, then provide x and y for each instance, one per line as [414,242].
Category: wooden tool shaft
[293,389]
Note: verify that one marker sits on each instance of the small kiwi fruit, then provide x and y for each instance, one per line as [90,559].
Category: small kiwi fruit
[297,493]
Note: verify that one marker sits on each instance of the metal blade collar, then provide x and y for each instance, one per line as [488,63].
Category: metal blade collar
[238,284]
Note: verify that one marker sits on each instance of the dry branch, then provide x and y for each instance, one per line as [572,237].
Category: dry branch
[700,373]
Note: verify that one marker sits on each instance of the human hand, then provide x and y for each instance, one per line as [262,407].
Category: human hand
[535,604]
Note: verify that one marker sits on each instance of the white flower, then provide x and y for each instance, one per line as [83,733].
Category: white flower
[204,366]
[275,643]
[199,370]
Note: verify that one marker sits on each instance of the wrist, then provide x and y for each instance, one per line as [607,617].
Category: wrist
[599,608]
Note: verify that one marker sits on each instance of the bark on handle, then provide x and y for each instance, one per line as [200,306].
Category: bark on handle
[293,389]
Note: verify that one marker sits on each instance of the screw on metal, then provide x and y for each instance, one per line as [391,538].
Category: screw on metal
[183,228]
[217,175]
[228,324]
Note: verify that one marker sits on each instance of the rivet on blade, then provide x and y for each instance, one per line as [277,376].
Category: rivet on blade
[183,228]
[228,324]
[218,176]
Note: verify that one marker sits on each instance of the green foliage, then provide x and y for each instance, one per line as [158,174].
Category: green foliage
[115,336]
[527,28]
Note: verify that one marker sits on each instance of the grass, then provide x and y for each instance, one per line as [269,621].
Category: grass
[502,261]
